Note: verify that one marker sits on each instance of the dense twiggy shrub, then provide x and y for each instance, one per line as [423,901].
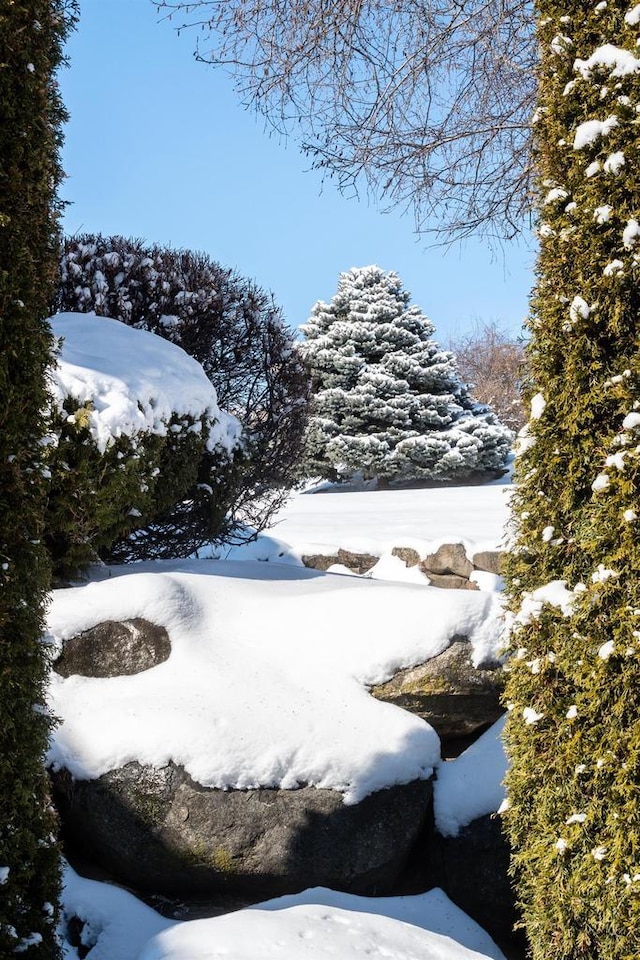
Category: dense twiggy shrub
[227,323]
[574,686]
[387,401]
[493,363]
[31,115]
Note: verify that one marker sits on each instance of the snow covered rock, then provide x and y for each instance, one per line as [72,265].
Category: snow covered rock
[448,567]
[114,925]
[253,758]
[157,830]
[457,698]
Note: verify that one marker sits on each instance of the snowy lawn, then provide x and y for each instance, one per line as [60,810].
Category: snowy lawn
[324,519]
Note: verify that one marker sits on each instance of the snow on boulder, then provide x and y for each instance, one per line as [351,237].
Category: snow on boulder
[257,736]
[265,685]
[132,382]
[471,786]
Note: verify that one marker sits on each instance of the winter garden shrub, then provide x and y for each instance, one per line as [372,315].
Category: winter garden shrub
[32,33]
[234,329]
[574,683]
[127,450]
[387,402]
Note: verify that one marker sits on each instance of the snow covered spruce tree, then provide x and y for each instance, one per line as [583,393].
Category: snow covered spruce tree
[238,334]
[574,684]
[31,37]
[387,402]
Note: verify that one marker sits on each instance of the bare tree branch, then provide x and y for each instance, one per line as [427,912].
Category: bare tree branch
[426,102]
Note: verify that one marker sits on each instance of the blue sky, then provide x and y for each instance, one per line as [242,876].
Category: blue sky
[159,147]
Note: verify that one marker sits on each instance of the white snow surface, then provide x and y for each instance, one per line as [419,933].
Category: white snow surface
[632,17]
[315,923]
[266,682]
[134,380]
[589,131]
[303,931]
[619,61]
[375,521]
[471,785]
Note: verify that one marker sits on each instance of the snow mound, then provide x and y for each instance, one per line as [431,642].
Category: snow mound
[471,786]
[301,931]
[132,381]
[118,926]
[266,682]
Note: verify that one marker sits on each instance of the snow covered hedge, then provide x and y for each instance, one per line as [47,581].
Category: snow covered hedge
[574,684]
[135,429]
[387,401]
[32,39]
[228,324]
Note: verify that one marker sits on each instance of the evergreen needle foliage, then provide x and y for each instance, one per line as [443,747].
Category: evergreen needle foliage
[574,684]
[387,402]
[31,37]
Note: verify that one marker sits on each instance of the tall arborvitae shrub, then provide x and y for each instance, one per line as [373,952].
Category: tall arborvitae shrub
[387,401]
[574,686]
[31,36]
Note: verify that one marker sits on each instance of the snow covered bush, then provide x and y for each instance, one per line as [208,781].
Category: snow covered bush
[574,683]
[135,431]
[32,35]
[387,401]
[232,327]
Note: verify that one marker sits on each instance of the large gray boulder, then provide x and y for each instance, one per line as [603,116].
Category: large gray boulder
[157,830]
[114,648]
[448,691]
[473,870]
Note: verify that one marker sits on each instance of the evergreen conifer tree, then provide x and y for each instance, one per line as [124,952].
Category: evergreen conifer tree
[31,36]
[574,681]
[387,401]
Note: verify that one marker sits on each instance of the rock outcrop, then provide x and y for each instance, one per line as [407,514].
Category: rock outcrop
[473,870]
[449,567]
[455,697]
[114,649]
[157,830]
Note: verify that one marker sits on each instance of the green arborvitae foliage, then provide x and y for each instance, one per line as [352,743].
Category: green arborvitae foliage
[574,683]
[31,36]
[387,401]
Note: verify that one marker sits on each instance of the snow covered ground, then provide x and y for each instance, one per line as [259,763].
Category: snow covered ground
[312,925]
[323,519]
[378,520]
[267,685]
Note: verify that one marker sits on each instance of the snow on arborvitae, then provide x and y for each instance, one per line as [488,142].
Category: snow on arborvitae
[387,401]
[574,682]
